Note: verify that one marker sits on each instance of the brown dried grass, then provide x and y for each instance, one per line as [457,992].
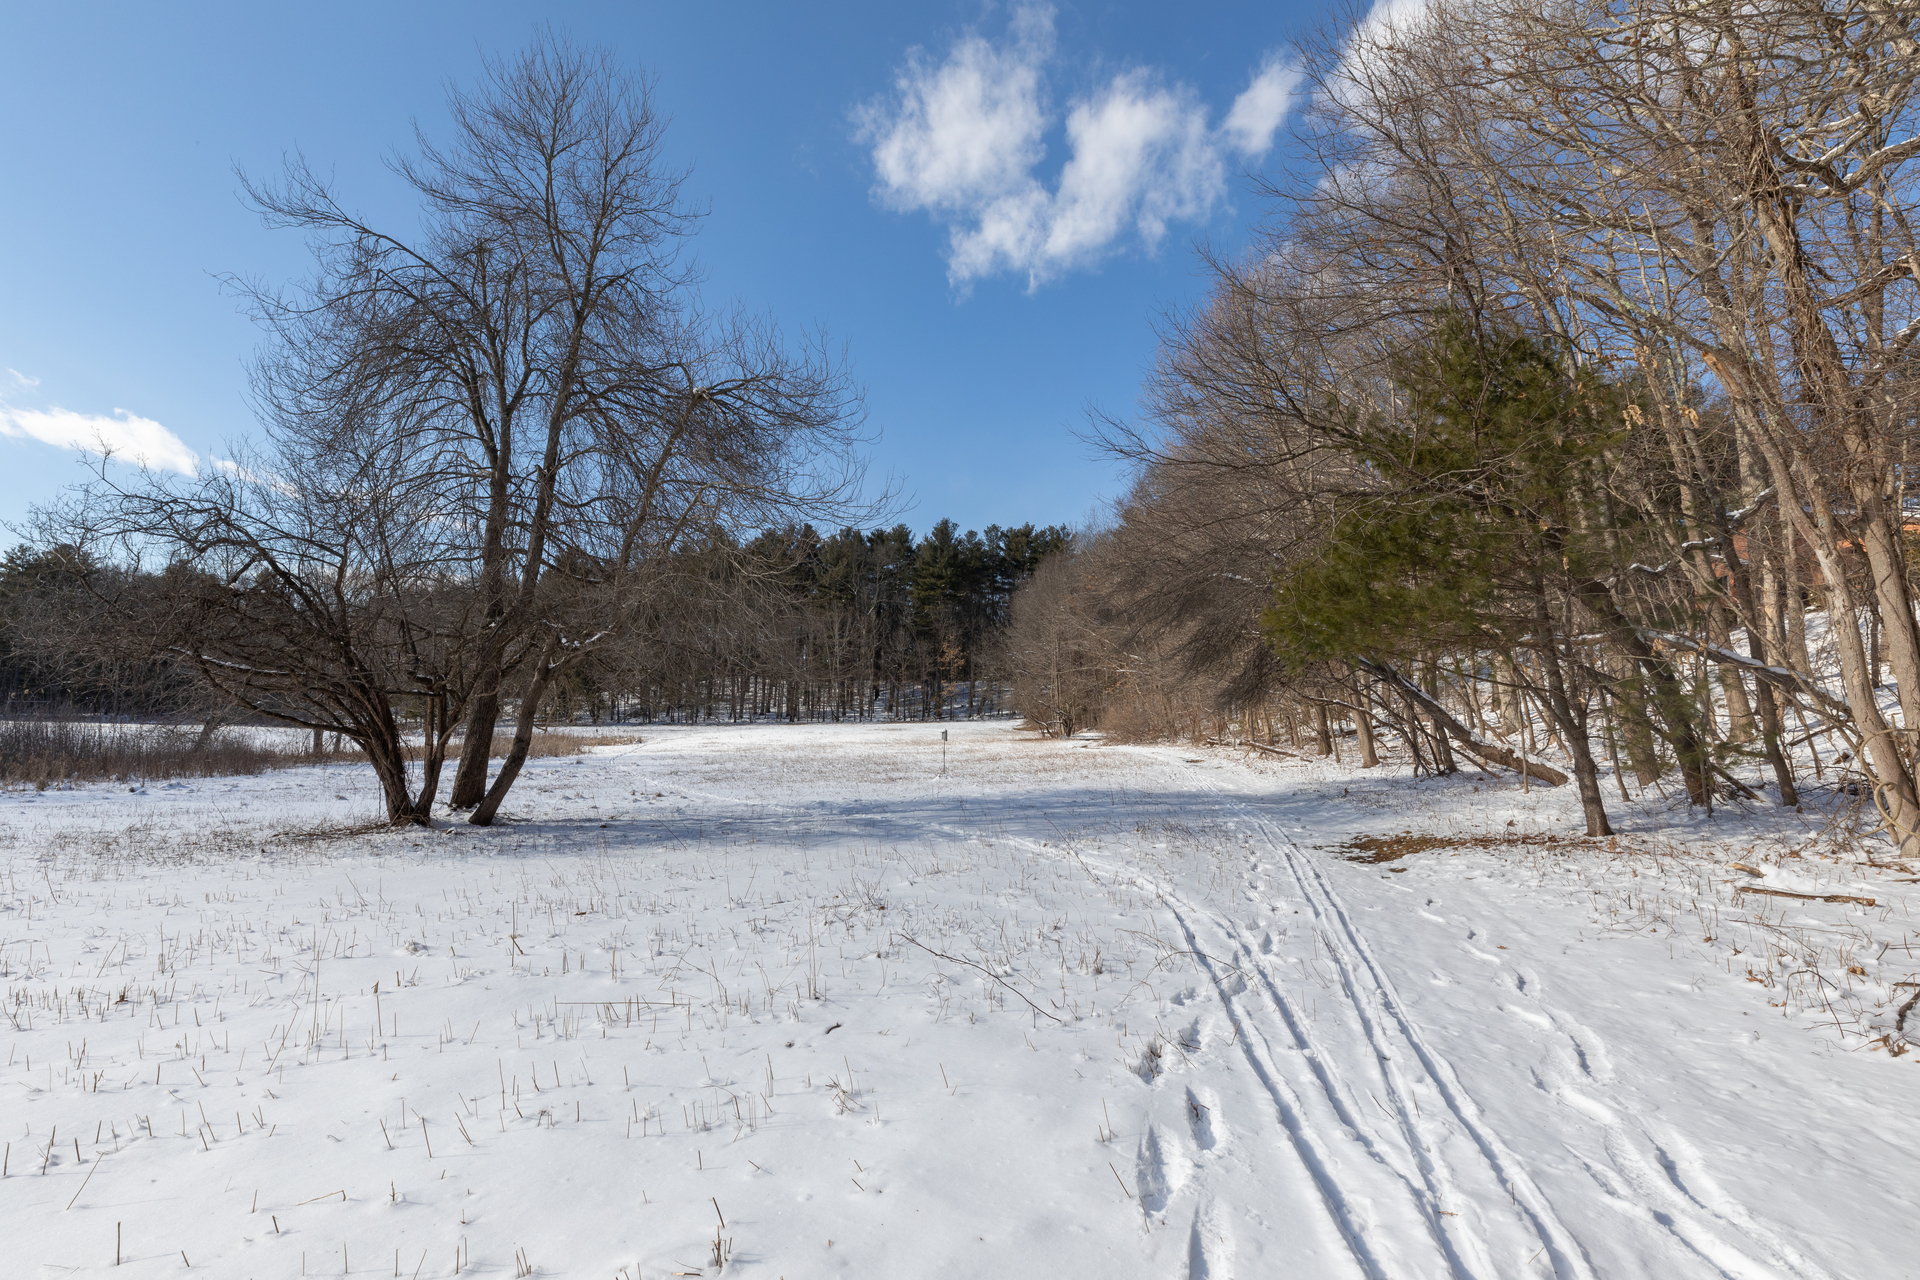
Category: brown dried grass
[560,742]
[53,753]
[545,742]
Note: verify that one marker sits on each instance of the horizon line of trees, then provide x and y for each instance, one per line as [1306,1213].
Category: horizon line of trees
[791,624]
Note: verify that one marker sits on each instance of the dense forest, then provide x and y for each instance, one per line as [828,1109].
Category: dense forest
[797,625]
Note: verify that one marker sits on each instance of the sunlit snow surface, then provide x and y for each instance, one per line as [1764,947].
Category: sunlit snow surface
[1170,1030]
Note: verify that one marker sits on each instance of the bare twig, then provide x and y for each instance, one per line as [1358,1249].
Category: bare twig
[971,965]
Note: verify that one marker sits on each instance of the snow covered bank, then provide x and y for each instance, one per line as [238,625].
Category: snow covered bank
[829,1000]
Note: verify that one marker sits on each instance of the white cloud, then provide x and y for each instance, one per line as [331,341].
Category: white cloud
[962,137]
[126,436]
[1260,108]
[1141,154]
[966,131]
[22,380]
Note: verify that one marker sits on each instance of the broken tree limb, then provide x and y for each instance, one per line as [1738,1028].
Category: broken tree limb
[1460,733]
[1732,781]
[1856,899]
[1783,678]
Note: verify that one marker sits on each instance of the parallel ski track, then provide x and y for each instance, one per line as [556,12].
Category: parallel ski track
[1290,1056]
[1707,1226]
[1301,1076]
[1379,1012]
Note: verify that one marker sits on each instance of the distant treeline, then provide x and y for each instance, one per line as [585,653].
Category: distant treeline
[801,625]
[52,656]
[794,624]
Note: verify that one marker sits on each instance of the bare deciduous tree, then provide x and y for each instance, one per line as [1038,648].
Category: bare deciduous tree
[1056,652]
[537,350]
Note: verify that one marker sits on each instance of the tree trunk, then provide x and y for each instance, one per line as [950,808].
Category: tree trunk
[1763,646]
[530,700]
[1573,729]
[386,751]
[1636,729]
[1741,725]
[1363,728]
[483,714]
[1442,751]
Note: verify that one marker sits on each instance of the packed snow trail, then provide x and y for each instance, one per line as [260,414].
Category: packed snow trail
[1401,1175]
[1382,1190]
[1366,1041]
[1140,1030]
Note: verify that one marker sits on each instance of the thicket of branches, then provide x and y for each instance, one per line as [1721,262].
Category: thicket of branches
[1565,407]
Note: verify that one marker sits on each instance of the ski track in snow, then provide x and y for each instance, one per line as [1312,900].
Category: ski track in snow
[1414,1165]
[1382,1186]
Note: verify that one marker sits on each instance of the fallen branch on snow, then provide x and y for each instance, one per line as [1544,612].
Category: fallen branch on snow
[1810,897]
[982,968]
[1460,733]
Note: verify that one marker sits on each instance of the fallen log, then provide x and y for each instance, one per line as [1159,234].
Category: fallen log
[1460,733]
[1810,897]
[1273,751]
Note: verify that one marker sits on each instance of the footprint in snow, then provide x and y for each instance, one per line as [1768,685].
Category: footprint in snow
[1209,1247]
[1528,1015]
[1592,1108]
[1201,1121]
[1155,1180]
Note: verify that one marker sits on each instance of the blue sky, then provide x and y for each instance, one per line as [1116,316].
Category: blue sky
[988,205]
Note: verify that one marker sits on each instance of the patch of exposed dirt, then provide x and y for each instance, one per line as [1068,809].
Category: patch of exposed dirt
[1392,848]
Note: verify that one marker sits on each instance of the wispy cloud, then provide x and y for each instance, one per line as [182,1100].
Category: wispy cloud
[961,138]
[127,436]
[1261,107]
[22,380]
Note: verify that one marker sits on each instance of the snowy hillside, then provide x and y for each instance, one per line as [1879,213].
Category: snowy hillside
[810,1001]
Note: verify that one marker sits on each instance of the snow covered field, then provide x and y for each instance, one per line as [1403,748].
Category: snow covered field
[809,1001]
